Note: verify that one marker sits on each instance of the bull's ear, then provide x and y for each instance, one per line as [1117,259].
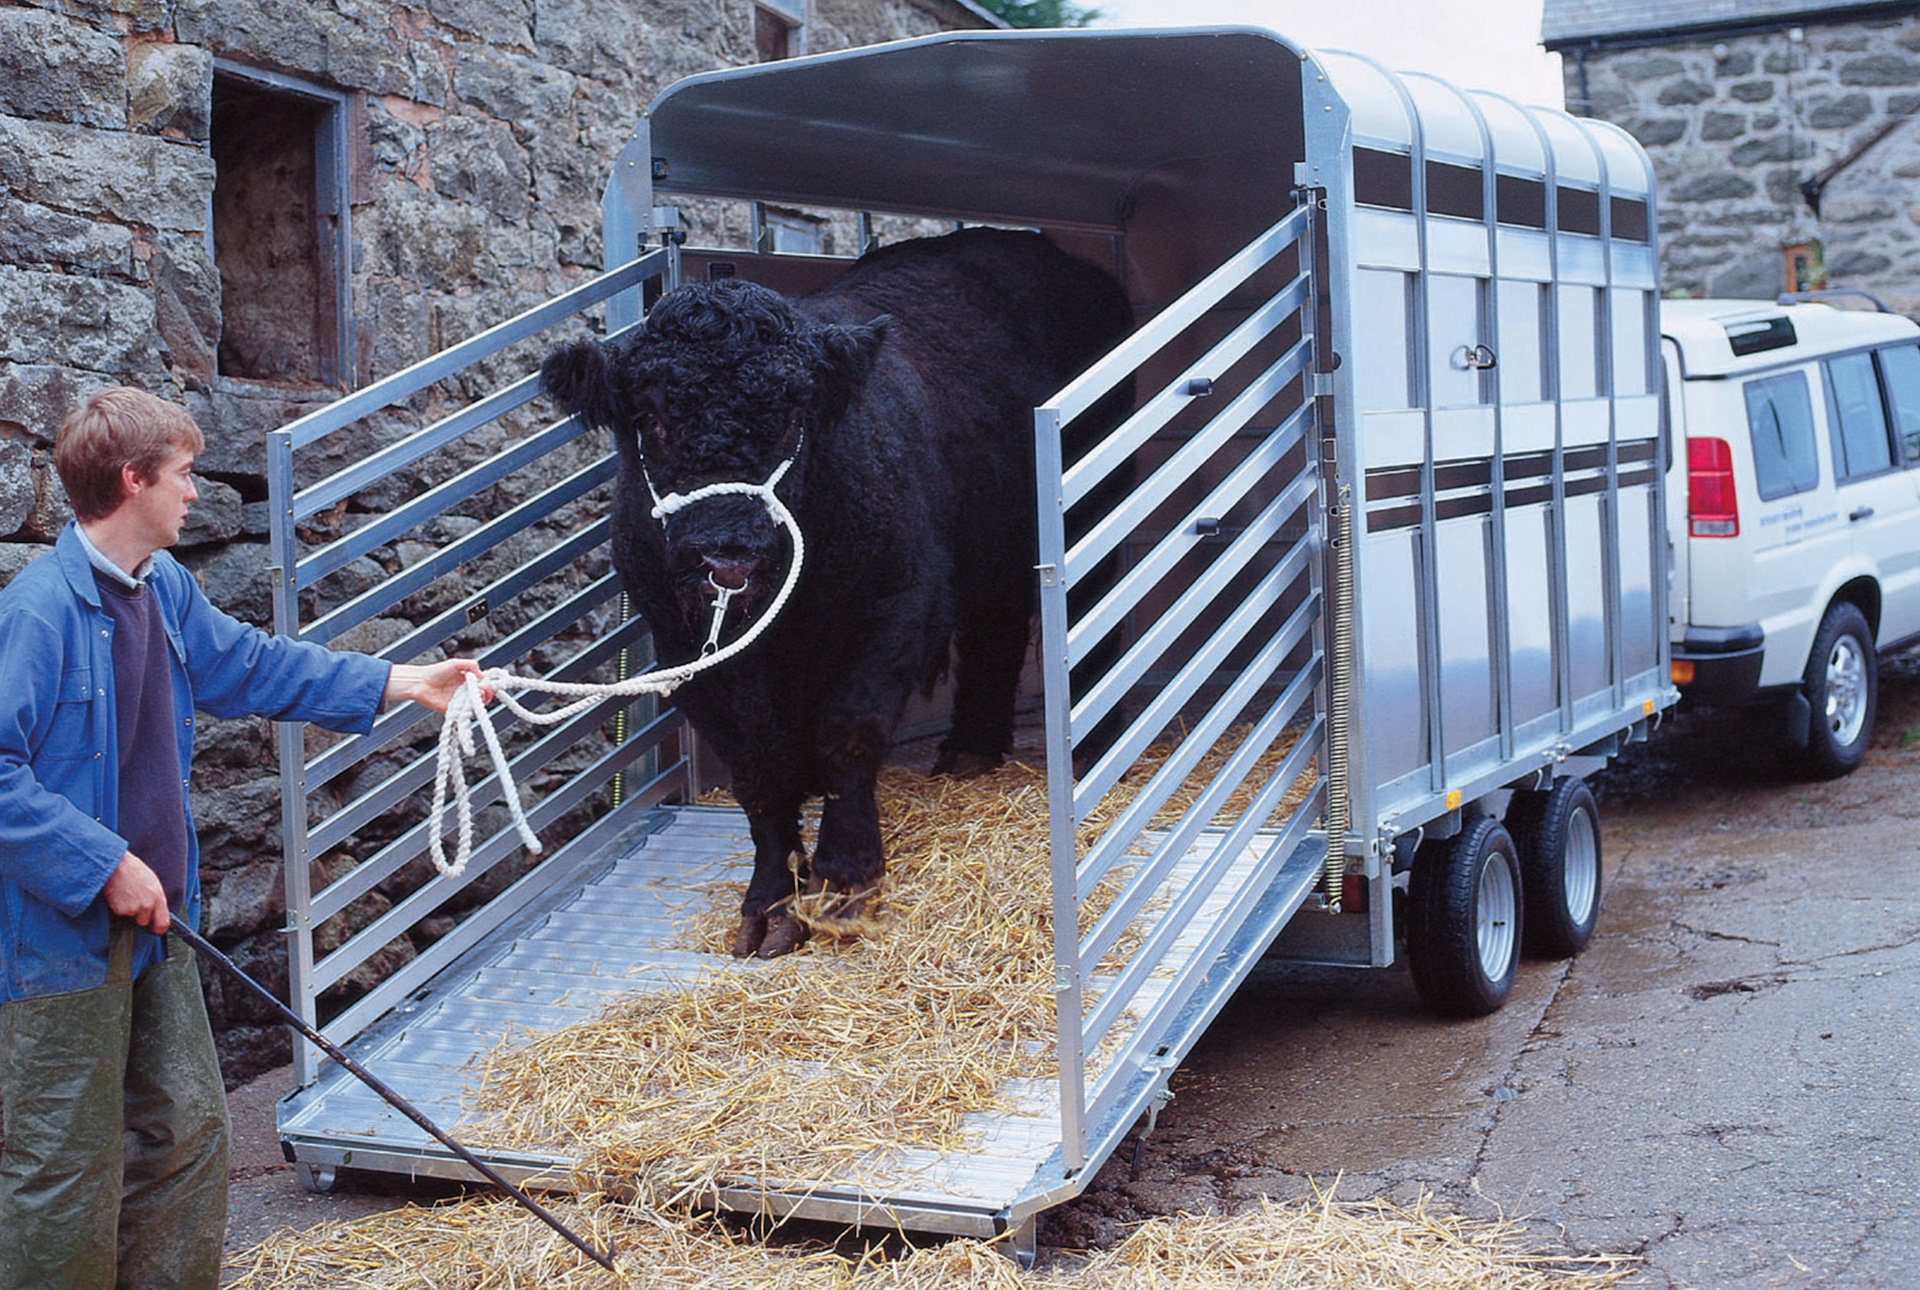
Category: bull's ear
[849,354]
[580,377]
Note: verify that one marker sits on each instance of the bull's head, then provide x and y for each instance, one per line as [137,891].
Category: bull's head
[724,382]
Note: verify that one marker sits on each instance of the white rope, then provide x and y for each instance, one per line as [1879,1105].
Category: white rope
[468,706]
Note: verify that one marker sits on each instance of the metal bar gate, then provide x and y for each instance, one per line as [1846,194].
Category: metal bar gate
[1235,633]
[451,537]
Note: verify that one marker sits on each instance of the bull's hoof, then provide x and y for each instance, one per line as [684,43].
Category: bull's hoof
[841,912]
[785,934]
[748,936]
[965,765]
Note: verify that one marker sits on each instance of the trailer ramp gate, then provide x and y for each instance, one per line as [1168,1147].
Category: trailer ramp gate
[1211,885]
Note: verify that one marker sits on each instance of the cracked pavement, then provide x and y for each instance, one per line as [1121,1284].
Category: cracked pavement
[1724,1085]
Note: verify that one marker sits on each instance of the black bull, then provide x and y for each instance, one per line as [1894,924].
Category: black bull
[903,393]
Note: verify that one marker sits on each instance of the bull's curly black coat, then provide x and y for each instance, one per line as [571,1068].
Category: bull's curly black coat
[904,390]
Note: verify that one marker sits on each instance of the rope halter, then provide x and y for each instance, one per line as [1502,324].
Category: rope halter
[468,707]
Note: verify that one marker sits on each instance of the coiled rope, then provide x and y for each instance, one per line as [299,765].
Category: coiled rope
[467,709]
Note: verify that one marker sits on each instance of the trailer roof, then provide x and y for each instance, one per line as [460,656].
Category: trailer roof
[1050,127]
[1082,127]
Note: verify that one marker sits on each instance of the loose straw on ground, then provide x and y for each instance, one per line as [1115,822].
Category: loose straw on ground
[487,1244]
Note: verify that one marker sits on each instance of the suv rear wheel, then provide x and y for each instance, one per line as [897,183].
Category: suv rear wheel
[1842,687]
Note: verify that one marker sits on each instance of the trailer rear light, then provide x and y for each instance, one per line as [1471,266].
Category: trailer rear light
[1682,671]
[1712,507]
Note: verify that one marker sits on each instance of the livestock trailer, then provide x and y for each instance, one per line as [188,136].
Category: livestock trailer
[1388,508]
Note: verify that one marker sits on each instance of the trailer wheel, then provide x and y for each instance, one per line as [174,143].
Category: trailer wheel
[1842,685]
[1463,920]
[1558,833]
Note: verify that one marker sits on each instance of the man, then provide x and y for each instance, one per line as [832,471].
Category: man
[113,1169]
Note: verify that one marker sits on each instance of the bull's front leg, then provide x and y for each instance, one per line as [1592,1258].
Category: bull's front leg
[848,860]
[741,725]
[768,926]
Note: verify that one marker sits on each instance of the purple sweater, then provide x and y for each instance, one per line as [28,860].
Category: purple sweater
[153,802]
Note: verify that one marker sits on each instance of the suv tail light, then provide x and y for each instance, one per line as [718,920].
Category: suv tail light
[1712,509]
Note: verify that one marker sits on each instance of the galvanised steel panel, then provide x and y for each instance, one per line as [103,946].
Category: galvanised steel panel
[1531,583]
[1466,648]
[1449,127]
[1457,246]
[1524,255]
[1587,620]
[1463,434]
[1528,428]
[1385,240]
[1390,657]
[1639,632]
[1585,422]
[1392,438]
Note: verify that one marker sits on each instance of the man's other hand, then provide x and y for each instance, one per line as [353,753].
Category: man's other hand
[134,891]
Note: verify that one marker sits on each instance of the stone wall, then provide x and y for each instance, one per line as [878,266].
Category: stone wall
[1735,123]
[481,135]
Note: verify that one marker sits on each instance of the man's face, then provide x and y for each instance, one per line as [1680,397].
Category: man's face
[160,504]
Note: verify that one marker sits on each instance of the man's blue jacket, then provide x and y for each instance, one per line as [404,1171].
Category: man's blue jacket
[59,748]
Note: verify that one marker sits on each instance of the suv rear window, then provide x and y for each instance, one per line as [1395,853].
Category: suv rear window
[1780,418]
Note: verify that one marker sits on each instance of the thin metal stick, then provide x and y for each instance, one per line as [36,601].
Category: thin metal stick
[206,950]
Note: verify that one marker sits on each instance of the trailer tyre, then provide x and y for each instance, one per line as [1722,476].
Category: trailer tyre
[1842,687]
[1463,920]
[1558,834]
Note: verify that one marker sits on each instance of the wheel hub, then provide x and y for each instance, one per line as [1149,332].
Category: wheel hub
[1496,920]
[1846,706]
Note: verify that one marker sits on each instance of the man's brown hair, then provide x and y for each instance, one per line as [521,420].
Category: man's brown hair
[115,428]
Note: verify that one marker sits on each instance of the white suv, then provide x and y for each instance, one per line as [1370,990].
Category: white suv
[1795,511]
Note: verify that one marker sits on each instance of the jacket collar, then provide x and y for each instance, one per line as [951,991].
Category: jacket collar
[76,566]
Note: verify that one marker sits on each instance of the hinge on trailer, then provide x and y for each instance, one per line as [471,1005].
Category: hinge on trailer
[1322,385]
[1163,1095]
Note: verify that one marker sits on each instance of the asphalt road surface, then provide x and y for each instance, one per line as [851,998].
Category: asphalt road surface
[1724,1085]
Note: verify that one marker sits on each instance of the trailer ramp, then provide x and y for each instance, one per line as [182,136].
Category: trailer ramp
[608,928]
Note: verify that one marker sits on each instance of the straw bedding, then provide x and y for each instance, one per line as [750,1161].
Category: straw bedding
[811,1068]
[490,1244]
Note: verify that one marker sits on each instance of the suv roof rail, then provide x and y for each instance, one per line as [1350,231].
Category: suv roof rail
[1830,293]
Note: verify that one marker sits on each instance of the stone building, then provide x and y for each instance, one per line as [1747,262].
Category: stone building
[251,206]
[1781,132]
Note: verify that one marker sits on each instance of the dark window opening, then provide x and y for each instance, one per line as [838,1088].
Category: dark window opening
[1520,201]
[1579,211]
[277,287]
[1629,219]
[1383,179]
[1456,190]
[771,36]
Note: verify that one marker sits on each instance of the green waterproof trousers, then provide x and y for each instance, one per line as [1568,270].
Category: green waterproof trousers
[113,1169]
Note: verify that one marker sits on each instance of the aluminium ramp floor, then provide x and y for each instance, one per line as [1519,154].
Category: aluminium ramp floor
[610,931]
